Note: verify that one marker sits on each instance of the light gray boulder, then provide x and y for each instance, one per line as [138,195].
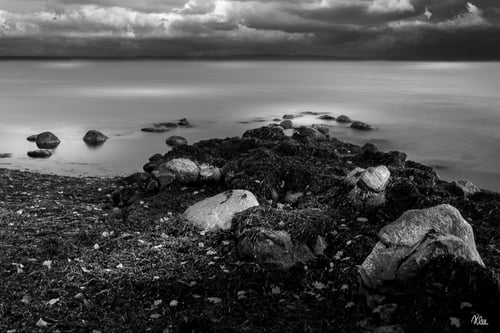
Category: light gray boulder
[409,243]
[218,211]
[466,187]
[210,173]
[375,179]
[183,170]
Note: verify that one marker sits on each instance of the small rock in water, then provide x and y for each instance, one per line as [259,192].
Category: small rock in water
[156,157]
[326,117]
[94,138]
[288,116]
[159,129]
[32,138]
[184,122]
[359,125]
[41,153]
[47,140]
[6,155]
[175,141]
[343,119]
[167,125]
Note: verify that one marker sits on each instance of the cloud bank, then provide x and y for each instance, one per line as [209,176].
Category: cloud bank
[399,29]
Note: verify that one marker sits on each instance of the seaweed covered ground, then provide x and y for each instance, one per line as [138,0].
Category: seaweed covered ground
[112,255]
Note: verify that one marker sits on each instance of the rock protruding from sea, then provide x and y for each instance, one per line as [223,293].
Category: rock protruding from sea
[273,246]
[288,116]
[370,184]
[287,124]
[409,243]
[47,140]
[359,125]
[326,117]
[217,212]
[94,138]
[343,119]
[40,153]
[182,169]
[176,140]
[32,138]
[268,133]
[304,133]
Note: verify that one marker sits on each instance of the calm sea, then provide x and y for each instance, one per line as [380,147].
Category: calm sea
[443,114]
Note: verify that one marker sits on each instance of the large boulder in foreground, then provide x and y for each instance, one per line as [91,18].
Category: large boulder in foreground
[182,169]
[412,241]
[94,138]
[274,247]
[47,140]
[216,212]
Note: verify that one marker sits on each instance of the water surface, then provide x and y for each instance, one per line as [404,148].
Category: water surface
[443,114]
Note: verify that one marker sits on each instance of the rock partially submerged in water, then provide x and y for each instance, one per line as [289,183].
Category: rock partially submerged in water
[94,138]
[47,140]
[359,125]
[176,140]
[217,212]
[409,243]
[41,153]
[286,124]
[343,119]
[32,138]
[326,117]
[5,155]
[288,116]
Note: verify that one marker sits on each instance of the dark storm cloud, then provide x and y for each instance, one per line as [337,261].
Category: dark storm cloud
[344,28]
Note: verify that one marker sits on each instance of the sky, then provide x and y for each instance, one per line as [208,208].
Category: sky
[358,29]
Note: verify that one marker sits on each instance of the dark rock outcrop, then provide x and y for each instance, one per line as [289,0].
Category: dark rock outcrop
[343,119]
[176,140]
[94,138]
[41,153]
[47,140]
[359,125]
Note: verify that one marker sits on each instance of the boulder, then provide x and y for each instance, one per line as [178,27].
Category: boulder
[32,138]
[343,119]
[210,173]
[354,176]
[47,140]
[308,133]
[375,179]
[326,117]
[359,125]
[182,169]
[218,211]
[175,141]
[275,247]
[275,133]
[184,122]
[286,124]
[41,153]
[409,243]
[94,138]
[290,132]
[323,129]
[288,116]
[151,166]
[466,188]
[156,157]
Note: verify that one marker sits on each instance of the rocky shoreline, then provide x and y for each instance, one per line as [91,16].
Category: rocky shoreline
[285,228]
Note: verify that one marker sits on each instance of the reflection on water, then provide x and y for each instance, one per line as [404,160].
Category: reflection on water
[440,113]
